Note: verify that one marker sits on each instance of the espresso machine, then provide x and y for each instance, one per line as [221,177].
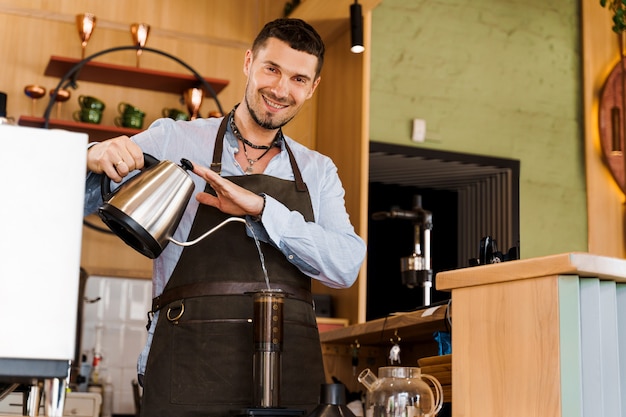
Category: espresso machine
[416,270]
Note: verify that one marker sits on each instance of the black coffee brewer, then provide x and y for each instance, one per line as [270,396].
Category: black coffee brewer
[268,345]
[416,269]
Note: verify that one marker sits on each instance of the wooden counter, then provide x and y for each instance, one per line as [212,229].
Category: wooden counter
[539,337]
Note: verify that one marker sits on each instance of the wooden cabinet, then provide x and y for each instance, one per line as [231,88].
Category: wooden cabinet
[539,336]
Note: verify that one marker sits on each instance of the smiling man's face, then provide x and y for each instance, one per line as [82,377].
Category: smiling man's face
[280,80]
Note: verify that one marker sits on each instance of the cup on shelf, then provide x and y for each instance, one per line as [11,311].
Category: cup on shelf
[130,116]
[175,114]
[125,108]
[132,120]
[88,115]
[89,102]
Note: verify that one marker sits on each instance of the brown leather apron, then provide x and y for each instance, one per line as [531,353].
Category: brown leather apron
[201,358]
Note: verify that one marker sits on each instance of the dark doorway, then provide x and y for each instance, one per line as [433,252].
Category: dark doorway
[455,188]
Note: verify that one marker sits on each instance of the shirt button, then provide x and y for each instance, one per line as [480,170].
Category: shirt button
[290,256]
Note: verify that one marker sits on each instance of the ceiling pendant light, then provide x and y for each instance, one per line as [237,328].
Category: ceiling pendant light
[356,28]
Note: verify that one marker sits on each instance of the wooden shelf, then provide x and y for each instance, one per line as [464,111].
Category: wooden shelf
[96,132]
[413,331]
[132,77]
[124,76]
[415,326]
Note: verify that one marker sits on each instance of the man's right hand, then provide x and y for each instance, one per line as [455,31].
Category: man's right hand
[115,157]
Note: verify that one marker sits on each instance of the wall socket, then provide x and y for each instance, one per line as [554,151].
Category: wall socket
[419,130]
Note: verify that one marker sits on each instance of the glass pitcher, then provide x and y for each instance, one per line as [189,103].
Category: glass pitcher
[400,391]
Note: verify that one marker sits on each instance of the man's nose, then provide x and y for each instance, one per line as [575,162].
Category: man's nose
[280,87]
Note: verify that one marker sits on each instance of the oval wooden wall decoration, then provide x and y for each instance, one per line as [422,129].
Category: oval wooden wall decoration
[612,116]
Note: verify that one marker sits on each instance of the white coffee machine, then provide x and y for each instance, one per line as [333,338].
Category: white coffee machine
[43,177]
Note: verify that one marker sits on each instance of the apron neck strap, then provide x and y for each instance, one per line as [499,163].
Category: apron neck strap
[216,165]
[300,185]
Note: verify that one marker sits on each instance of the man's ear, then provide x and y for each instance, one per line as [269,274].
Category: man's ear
[315,84]
[247,61]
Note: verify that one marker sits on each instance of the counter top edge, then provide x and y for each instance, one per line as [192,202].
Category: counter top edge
[571,263]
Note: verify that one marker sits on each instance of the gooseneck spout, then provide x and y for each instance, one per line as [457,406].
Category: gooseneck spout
[198,239]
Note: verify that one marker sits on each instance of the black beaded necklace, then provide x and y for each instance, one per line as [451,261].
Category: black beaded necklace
[245,142]
[252,161]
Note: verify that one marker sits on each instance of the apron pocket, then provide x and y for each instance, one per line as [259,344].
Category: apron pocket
[211,362]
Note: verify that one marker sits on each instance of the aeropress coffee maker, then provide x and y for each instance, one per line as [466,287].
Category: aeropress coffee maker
[268,345]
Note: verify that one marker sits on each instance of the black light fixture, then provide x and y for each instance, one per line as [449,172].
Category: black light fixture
[356,28]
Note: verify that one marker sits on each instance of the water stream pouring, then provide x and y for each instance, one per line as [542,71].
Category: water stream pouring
[146,210]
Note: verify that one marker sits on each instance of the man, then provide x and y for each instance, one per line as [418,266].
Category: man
[198,360]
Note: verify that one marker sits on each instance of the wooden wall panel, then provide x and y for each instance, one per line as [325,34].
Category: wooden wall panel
[605,201]
[343,134]
[340,134]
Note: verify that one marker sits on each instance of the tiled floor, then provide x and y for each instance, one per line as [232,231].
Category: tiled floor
[119,317]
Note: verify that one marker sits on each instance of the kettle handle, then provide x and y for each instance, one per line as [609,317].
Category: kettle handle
[438,395]
[105,187]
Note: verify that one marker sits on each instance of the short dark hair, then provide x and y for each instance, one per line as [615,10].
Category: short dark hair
[297,34]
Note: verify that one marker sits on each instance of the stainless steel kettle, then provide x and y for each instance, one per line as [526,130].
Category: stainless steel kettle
[146,210]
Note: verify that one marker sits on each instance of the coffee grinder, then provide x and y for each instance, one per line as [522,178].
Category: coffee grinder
[415,269]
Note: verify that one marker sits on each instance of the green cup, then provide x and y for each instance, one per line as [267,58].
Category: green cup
[125,108]
[87,115]
[132,120]
[89,102]
[175,114]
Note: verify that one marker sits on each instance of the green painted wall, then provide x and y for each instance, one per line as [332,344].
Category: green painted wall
[491,77]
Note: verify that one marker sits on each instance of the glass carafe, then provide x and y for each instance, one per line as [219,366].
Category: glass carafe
[401,391]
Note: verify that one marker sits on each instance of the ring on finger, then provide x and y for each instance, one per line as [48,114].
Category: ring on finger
[121,161]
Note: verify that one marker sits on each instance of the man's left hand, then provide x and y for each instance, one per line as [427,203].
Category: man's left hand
[230,198]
